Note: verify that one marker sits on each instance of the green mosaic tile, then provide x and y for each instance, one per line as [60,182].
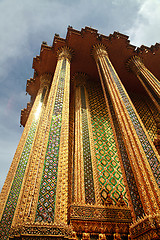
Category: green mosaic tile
[102,180]
[113,181]
[105,147]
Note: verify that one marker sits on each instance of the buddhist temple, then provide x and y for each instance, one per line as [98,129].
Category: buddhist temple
[87,165]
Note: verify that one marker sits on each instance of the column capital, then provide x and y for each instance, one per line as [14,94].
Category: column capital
[80,79]
[45,79]
[131,66]
[65,52]
[99,50]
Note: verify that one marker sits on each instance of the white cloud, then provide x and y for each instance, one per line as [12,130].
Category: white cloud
[146,27]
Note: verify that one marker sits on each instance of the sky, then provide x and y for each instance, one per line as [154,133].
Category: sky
[25,24]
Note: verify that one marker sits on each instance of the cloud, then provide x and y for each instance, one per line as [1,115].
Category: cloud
[27,23]
[146,27]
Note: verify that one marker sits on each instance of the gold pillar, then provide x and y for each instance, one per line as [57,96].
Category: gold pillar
[15,180]
[147,79]
[61,204]
[84,154]
[27,206]
[134,134]
[79,189]
[29,185]
[56,116]
[9,179]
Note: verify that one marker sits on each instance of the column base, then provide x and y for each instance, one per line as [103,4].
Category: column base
[44,231]
[147,228]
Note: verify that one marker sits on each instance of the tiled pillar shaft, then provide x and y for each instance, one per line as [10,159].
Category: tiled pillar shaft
[86,187]
[56,112]
[25,201]
[134,135]
[147,79]
[17,174]
[78,166]
[61,203]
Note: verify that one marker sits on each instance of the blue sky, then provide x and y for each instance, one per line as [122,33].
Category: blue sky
[25,24]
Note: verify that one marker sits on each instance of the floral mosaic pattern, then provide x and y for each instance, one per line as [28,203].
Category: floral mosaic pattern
[11,203]
[108,166]
[152,159]
[88,173]
[47,194]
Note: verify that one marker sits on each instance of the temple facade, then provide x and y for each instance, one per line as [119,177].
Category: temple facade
[87,165]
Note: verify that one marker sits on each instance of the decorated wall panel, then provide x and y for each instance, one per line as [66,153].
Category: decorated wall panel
[108,165]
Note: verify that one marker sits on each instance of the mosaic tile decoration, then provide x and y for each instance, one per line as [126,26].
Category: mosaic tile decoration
[134,194]
[137,204]
[152,159]
[47,194]
[88,172]
[11,203]
[147,113]
[108,166]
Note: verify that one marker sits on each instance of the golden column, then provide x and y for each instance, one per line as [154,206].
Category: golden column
[86,185]
[78,165]
[61,203]
[56,116]
[15,180]
[147,79]
[144,161]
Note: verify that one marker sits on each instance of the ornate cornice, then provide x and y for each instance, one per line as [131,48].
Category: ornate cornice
[25,113]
